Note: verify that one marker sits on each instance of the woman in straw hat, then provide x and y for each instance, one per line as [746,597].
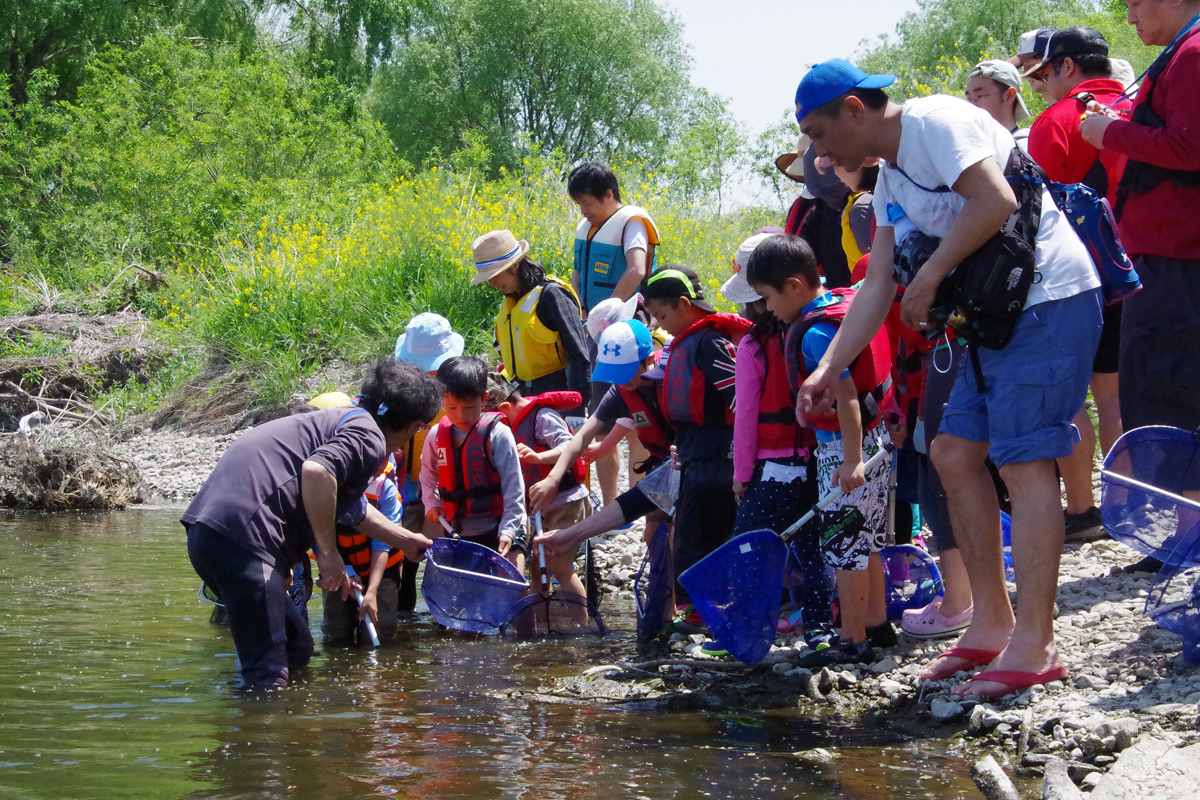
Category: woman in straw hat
[539,327]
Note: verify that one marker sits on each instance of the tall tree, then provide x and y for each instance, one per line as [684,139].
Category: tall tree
[707,154]
[586,77]
[60,35]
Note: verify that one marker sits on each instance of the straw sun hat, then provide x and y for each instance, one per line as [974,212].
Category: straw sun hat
[495,252]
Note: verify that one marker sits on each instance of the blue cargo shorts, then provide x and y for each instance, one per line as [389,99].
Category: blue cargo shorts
[1035,386]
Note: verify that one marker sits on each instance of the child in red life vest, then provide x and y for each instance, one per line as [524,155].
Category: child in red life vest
[540,432]
[470,471]
[697,400]
[377,566]
[773,471]
[783,270]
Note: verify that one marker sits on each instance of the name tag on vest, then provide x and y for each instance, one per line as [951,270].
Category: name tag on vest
[601,267]
[640,420]
[441,455]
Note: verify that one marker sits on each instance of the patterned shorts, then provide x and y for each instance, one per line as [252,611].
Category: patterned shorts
[852,547]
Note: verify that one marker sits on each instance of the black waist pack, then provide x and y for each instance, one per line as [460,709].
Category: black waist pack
[983,298]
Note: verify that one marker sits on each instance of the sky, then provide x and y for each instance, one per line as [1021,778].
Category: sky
[754,52]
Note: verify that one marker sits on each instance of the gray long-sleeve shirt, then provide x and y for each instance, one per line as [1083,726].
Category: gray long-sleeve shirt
[512,485]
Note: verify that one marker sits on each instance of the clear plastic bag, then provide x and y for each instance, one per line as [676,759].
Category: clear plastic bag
[662,486]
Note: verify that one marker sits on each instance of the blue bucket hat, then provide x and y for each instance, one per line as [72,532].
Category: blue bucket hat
[829,80]
[427,341]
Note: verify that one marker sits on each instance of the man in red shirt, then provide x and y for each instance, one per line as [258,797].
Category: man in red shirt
[1075,71]
[1157,204]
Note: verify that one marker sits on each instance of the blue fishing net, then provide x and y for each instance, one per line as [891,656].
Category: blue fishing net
[559,613]
[911,579]
[1006,537]
[1174,598]
[652,585]
[469,587]
[1142,484]
[736,589]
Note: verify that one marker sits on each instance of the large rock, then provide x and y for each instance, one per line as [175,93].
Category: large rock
[991,780]
[1154,769]
[1057,783]
[944,710]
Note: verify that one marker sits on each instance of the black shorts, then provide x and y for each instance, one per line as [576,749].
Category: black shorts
[1108,352]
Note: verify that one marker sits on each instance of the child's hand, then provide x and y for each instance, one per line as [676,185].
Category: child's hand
[505,545]
[898,434]
[849,476]
[526,454]
[369,607]
[739,489]
[541,494]
[591,453]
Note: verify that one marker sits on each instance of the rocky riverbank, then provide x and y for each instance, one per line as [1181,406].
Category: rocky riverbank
[1131,698]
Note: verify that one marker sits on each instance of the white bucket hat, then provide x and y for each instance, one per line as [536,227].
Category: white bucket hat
[614,309]
[495,252]
[737,289]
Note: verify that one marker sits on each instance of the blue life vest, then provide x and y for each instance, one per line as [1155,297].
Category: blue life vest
[600,253]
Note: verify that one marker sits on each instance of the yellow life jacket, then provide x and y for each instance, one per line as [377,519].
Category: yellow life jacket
[528,349]
[412,451]
[853,254]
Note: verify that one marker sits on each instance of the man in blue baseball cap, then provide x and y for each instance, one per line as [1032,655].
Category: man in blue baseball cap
[942,194]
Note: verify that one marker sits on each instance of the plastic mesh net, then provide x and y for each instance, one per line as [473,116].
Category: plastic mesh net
[1143,482]
[911,579]
[560,613]
[652,585]
[736,589]
[1006,537]
[1174,598]
[469,587]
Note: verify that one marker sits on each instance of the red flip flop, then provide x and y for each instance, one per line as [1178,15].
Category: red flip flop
[974,658]
[1013,681]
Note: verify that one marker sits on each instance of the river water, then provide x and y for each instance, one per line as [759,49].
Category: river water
[114,684]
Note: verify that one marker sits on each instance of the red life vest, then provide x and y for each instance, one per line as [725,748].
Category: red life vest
[467,479]
[777,426]
[910,374]
[686,396]
[652,429]
[355,547]
[871,371]
[525,432]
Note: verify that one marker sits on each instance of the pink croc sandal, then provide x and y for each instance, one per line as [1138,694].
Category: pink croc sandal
[930,623]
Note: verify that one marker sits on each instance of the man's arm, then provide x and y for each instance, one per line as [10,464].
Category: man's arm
[635,273]
[318,491]
[376,526]
[990,202]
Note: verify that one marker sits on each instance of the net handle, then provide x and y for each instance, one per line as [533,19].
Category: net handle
[827,500]
[543,577]
[449,530]
[352,575]
[494,580]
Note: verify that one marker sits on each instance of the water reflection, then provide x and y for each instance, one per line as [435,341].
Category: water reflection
[113,684]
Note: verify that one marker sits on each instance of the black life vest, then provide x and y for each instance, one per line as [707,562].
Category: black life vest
[686,396]
[1140,176]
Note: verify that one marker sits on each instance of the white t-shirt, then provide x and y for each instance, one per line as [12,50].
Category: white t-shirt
[636,236]
[940,138]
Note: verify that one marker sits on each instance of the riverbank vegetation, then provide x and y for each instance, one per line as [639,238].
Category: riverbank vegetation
[277,185]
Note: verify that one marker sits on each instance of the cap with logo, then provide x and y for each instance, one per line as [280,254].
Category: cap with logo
[1079,40]
[675,281]
[1033,43]
[827,81]
[622,346]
